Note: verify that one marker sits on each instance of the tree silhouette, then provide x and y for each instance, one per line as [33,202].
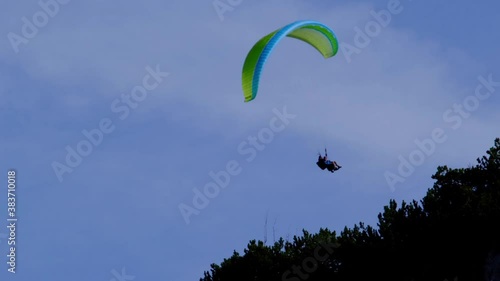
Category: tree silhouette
[451,234]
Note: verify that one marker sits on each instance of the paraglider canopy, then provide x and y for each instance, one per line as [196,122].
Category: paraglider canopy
[316,34]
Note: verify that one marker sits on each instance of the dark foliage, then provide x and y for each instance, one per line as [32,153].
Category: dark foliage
[451,234]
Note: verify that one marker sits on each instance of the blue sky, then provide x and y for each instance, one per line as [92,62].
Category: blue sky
[119,207]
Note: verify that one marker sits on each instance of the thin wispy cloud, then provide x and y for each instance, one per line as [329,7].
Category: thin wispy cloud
[367,108]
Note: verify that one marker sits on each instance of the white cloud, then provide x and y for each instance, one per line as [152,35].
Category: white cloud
[368,111]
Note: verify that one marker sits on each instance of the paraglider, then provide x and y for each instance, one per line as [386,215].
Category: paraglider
[325,163]
[316,34]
